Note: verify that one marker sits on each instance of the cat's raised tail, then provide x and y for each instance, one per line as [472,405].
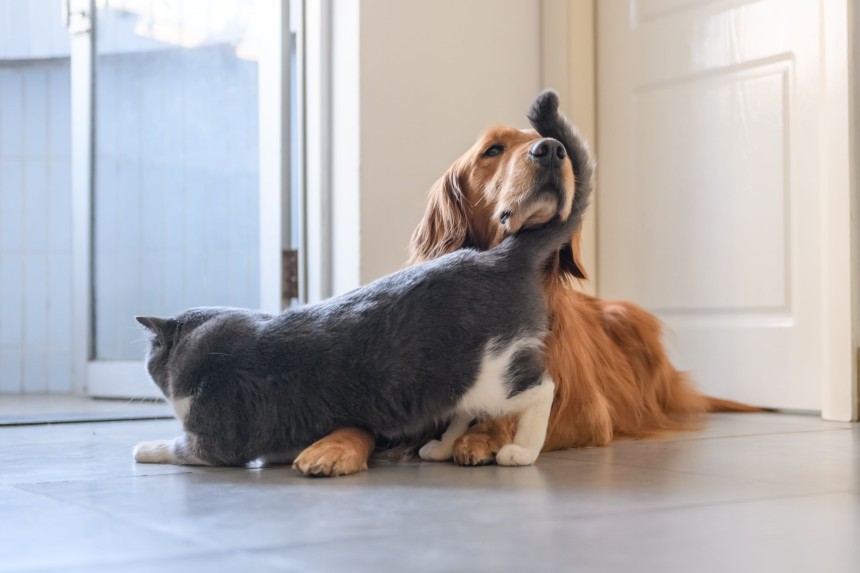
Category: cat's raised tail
[539,243]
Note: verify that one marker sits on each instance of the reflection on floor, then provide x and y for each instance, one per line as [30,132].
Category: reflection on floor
[753,492]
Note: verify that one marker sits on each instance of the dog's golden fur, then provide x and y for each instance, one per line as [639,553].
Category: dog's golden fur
[612,375]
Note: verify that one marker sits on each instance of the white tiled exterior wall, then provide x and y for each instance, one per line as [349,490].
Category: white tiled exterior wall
[35,228]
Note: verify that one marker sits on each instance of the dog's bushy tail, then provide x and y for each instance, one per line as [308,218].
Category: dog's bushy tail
[539,243]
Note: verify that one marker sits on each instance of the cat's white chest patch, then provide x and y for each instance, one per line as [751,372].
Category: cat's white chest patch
[181,406]
[489,394]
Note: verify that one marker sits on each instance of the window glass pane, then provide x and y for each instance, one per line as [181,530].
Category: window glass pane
[176,163]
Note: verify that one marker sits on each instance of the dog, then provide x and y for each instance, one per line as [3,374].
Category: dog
[612,373]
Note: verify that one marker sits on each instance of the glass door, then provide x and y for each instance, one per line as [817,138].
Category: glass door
[181,196]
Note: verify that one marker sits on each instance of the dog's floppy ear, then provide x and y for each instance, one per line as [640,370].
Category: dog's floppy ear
[445,225]
[570,256]
[548,122]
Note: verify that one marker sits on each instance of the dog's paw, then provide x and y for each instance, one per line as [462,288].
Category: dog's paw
[473,450]
[154,452]
[514,455]
[327,459]
[435,451]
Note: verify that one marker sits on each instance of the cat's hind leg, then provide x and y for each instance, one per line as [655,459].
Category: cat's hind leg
[179,451]
[534,407]
[443,449]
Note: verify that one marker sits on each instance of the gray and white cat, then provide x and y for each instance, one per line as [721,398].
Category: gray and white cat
[454,338]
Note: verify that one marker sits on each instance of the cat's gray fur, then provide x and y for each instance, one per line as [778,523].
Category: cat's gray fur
[396,356]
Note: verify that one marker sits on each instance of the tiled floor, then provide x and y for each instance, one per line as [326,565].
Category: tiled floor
[752,492]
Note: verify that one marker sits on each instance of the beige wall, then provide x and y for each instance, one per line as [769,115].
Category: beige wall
[431,77]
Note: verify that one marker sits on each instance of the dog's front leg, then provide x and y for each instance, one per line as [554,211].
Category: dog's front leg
[343,452]
[442,450]
[480,444]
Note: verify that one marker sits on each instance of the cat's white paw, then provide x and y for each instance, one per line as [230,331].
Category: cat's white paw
[436,451]
[514,455]
[155,452]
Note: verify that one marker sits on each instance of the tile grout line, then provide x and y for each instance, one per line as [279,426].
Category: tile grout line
[683,472]
[688,506]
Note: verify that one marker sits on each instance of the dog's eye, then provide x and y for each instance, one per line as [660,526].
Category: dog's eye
[493,150]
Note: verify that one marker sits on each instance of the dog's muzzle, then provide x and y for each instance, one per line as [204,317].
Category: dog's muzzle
[548,152]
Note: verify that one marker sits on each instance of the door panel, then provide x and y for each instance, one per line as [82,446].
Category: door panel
[688,187]
[711,203]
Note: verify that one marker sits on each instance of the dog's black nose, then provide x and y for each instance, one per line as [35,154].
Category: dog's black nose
[548,151]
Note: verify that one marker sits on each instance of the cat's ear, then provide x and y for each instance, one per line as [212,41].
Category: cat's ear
[157,326]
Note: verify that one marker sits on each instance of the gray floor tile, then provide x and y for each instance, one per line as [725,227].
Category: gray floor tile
[205,562]
[819,461]
[37,532]
[729,425]
[817,533]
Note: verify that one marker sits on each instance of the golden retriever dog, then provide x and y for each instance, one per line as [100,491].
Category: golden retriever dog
[612,374]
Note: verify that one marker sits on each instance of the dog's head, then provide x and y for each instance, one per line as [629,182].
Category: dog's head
[508,180]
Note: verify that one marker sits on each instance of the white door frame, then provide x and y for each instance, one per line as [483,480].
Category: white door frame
[854,167]
[839,259]
[274,126]
[126,378]
[568,54]
[315,71]
[82,53]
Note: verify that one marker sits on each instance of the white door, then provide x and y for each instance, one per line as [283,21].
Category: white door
[181,170]
[723,189]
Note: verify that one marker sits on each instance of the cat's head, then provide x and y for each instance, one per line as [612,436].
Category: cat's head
[166,339]
[163,333]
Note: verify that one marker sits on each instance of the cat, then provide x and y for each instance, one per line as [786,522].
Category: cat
[454,338]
